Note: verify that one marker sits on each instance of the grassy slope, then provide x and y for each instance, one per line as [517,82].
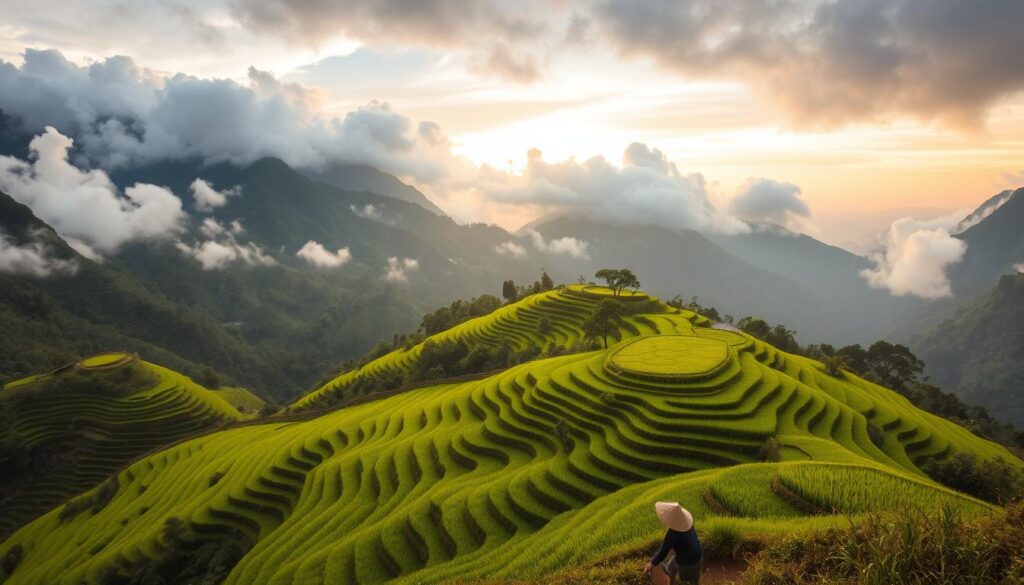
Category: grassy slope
[550,462]
[91,419]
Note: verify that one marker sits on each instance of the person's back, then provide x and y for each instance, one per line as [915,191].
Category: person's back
[681,540]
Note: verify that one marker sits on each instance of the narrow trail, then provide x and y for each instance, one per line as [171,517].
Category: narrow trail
[722,572]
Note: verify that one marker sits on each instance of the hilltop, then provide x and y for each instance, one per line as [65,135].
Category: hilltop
[66,431]
[514,472]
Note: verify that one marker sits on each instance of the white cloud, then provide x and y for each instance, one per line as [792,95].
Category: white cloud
[510,248]
[1019,268]
[915,258]
[567,245]
[368,211]
[207,198]
[648,188]
[398,269]
[84,206]
[223,248]
[765,200]
[34,258]
[122,114]
[315,253]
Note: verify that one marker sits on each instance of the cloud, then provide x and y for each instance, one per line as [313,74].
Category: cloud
[765,200]
[646,189]
[510,248]
[565,245]
[222,247]
[836,61]
[1019,268]
[314,253]
[84,206]
[485,30]
[207,198]
[34,258]
[915,258]
[368,211]
[398,269]
[122,115]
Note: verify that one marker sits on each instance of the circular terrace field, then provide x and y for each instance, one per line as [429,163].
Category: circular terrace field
[670,357]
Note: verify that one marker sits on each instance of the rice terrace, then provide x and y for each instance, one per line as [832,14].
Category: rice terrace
[548,292]
[516,473]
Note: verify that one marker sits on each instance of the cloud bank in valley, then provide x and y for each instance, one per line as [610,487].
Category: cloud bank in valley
[221,247]
[398,269]
[34,258]
[316,254]
[85,207]
[915,258]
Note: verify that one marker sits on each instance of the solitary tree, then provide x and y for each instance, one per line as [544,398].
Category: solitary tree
[545,281]
[618,279]
[604,320]
[508,290]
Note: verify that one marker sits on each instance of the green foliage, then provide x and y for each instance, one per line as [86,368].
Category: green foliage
[209,378]
[458,312]
[992,480]
[722,540]
[604,321]
[618,279]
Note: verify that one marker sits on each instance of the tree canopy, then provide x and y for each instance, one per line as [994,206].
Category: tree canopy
[618,279]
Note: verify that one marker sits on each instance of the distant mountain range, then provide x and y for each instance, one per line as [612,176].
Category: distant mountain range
[263,326]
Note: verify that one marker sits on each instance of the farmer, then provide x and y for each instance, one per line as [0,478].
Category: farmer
[680,540]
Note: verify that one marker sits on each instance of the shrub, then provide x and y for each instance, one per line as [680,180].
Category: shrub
[992,480]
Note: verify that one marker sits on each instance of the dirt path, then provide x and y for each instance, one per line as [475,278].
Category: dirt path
[722,572]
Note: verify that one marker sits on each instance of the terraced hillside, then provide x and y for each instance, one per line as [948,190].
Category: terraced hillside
[542,464]
[82,422]
[519,326]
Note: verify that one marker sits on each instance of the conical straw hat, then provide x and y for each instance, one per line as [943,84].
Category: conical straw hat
[674,516]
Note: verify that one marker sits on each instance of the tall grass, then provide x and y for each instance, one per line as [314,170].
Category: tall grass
[902,548]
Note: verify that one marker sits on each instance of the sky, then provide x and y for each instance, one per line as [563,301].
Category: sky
[832,117]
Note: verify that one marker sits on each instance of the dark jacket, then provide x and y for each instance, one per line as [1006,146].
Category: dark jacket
[686,544]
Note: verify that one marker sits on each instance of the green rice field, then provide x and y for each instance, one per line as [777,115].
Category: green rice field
[544,464]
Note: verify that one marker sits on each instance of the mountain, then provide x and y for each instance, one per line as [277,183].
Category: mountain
[359,177]
[65,432]
[859,313]
[685,262]
[50,321]
[512,473]
[979,353]
[994,245]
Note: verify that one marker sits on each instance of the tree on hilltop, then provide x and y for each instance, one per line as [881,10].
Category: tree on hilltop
[545,281]
[508,290]
[618,279]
